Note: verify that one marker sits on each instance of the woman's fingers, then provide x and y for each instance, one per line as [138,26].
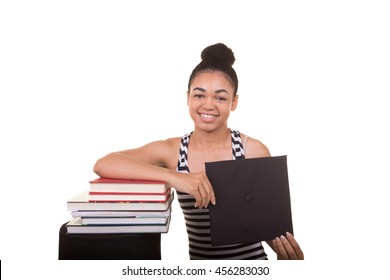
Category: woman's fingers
[204,193]
[208,190]
[287,248]
[280,250]
[295,246]
[197,185]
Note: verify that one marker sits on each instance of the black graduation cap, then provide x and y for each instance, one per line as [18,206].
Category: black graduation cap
[253,200]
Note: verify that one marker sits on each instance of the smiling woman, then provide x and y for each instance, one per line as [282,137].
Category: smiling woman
[211,97]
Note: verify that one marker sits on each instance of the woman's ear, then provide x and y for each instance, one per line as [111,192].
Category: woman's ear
[234,103]
[188,97]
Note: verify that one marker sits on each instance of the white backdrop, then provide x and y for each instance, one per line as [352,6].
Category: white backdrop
[80,79]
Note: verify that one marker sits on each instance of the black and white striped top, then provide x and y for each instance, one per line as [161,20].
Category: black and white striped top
[198,220]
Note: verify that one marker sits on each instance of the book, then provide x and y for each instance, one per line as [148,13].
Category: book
[120,213]
[82,202]
[139,220]
[123,197]
[109,185]
[76,226]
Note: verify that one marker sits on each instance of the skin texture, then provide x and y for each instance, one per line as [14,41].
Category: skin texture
[210,101]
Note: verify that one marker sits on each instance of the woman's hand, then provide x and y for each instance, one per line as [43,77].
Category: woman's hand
[195,184]
[287,248]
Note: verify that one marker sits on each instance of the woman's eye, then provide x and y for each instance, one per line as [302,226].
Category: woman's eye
[221,98]
[198,95]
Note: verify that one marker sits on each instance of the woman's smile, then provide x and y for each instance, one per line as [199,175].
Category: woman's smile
[207,117]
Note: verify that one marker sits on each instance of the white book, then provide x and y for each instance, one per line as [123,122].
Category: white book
[128,186]
[123,221]
[120,213]
[75,226]
[82,202]
[123,197]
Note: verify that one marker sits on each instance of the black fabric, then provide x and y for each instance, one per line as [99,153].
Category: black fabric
[122,246]
[253,200]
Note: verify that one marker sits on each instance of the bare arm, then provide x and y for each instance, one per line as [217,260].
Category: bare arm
[156,161]
[254,148]
[146,162]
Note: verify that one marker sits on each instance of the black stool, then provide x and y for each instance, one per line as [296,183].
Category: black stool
[116,246]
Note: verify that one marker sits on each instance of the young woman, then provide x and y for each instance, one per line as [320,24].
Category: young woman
[180,161]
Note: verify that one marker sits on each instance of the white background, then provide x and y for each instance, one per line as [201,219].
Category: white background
[80,79]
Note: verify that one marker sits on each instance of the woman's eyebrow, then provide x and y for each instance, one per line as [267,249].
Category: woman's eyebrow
[221,91]
[217,91]
[199,89]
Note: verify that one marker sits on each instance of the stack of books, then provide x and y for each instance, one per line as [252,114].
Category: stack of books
[121,206]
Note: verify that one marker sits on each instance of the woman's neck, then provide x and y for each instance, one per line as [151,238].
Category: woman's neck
[204,140]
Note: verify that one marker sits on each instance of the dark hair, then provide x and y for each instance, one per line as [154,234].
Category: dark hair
[217,57]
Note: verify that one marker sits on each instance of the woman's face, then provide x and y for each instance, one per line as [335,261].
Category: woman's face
[210,100]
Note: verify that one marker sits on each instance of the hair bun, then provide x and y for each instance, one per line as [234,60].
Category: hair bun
[218,53]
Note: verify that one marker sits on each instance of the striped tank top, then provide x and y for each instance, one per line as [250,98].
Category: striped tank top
[198,220]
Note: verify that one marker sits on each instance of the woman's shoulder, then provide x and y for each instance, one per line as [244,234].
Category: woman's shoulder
[173,142]
[166,144]
[160,152]
[254,147]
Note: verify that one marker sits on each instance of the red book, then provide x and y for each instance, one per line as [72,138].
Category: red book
[128,186]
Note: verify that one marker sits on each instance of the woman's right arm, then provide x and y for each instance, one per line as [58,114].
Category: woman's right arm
[142,163]
[156,161]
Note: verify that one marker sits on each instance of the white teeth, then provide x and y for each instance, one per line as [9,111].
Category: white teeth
[207,116]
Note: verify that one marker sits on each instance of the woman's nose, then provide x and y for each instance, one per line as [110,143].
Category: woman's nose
[209,103]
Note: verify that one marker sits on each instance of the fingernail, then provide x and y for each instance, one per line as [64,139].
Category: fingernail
[282,237]
[288,234]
